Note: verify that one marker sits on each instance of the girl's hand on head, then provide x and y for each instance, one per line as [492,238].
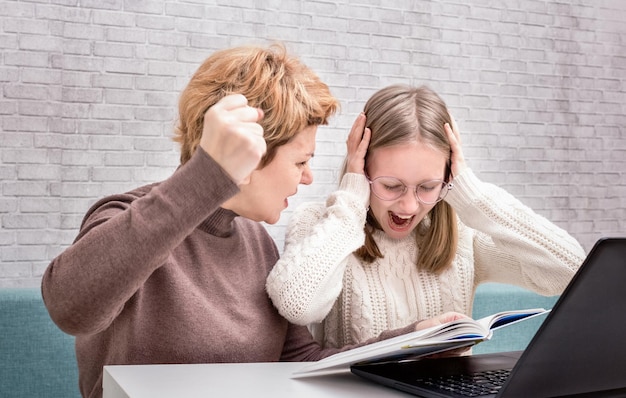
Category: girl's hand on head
[456,156]
[357,143]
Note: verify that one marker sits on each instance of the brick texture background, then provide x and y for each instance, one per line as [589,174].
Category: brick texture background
[89,90]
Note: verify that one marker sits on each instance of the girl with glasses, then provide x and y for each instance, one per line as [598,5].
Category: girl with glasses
[410,232]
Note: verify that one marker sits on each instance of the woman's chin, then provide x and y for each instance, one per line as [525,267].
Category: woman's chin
[272,219]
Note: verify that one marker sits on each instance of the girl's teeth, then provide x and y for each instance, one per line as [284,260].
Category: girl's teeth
[399,220]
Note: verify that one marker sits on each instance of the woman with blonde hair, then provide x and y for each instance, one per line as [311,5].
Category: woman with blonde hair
[174,272]
[410,232]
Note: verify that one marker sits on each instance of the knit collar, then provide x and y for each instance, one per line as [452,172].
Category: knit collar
[220,223]
[381,236]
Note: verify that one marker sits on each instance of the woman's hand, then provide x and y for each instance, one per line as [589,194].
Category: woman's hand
[357,143]
[232,136]
[456,154]
[439,320]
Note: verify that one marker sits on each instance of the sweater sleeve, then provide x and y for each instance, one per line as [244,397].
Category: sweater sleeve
[124,239]
[307,279]
[300,345]
[511,243]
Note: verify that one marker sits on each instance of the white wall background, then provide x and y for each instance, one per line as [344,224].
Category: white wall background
[89,90]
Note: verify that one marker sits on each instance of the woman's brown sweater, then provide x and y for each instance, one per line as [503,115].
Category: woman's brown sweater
[162,274]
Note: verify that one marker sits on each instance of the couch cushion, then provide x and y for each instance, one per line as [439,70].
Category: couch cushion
[37,358]
[495,297]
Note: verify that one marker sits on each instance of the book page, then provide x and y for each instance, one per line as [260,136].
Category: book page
[341,363]
[456,334]
[504,318]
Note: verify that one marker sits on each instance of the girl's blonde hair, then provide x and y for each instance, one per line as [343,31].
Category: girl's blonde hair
[397,115]
[291,96]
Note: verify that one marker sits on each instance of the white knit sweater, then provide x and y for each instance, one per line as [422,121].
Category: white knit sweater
[320,283]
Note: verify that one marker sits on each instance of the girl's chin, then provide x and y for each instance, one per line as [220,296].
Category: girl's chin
[396,233]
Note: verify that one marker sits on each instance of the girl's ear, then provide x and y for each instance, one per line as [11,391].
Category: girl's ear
[448,174]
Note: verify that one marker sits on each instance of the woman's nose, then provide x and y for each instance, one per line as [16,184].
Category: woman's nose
[307,176]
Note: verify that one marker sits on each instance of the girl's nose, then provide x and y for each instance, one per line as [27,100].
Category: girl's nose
[409,203]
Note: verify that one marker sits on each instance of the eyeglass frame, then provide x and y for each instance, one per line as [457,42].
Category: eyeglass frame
[446,187]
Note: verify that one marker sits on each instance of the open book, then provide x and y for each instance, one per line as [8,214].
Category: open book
[456,334]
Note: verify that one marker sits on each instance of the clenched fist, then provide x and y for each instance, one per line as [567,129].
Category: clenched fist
[232,136]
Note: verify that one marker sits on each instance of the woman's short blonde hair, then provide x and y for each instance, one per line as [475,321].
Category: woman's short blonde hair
[397,115]
[291,96]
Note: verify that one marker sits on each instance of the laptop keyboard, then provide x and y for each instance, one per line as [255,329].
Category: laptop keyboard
[468,385]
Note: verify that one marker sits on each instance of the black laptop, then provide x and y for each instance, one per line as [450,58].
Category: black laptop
[578,351]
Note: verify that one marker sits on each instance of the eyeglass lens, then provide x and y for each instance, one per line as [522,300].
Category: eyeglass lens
[390,188]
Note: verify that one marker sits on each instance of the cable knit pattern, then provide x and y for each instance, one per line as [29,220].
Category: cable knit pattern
[318,281]
[326,244]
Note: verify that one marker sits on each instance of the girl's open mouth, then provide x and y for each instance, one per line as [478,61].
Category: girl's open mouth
[399,223]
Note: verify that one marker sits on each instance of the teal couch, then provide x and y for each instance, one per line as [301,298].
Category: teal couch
[494,297]
[37,359]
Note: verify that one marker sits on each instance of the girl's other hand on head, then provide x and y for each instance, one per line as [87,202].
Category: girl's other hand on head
[456,155]
[357,143]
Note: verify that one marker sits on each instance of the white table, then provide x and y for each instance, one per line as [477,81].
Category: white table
[233,380]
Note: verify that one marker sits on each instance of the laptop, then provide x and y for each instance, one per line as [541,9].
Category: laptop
[578,351]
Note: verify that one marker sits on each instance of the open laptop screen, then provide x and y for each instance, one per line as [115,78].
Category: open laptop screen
[579,350]
[581,346]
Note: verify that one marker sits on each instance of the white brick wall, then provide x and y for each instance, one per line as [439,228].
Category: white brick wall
[89,91]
